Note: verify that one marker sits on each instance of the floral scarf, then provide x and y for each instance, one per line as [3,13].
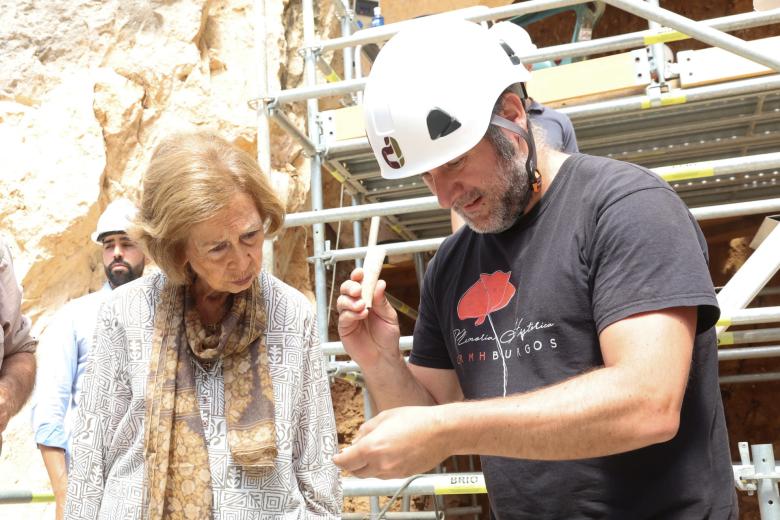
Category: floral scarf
[176,456]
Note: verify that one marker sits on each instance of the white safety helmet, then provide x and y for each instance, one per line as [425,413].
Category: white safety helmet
[514,36]
[431,92]
[117,218]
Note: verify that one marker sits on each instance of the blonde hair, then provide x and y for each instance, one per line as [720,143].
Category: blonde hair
[191,178]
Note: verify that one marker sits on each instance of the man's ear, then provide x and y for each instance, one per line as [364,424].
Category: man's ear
[512,108]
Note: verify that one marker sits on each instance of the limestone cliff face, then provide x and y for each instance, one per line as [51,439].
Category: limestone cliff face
[87,90]
[89,87]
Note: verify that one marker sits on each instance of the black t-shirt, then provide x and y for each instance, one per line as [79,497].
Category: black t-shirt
[607,241]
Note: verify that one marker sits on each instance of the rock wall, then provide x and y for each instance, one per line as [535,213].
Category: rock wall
[87,89]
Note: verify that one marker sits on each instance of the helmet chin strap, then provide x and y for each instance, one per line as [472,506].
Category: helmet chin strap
[534,177]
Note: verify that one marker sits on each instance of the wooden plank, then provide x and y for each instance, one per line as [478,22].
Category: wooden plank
[715,65]
[619,74]
[397,10]
[344,123]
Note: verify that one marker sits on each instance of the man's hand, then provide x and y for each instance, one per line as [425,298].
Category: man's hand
[397,443]
[17,377]
[368,335]
[6,407]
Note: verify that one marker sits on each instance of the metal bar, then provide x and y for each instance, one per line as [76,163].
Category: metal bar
[263,125]
[737,209]
[429,484]
[730,354]
[345,11]
[768,496]
[757,270]
[400,306]
[742,337]
[657,50]
[335,348]
[401,515]
[719,167]
[385,32]
[347,24]
[263,130]
[357,229]
[749,378]
[349,147]
[748,353]
[579,49]
[699,31]
[419,268]
[361,212]
[282,120]
[315,163]
[416,515]
[396,248]
[751,316]
[647,37]
[637,103]
[315,91]
[23,496]
[431,244]
[431,203]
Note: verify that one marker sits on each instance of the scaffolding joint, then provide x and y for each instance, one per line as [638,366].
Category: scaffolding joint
[310,50]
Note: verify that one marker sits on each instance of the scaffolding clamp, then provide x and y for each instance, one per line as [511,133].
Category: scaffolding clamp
[304,50]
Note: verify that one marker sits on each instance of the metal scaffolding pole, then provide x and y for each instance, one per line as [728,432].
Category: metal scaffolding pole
[385,32]
[362,211]
[750,378]
[751,316]
[739,317]
[335,348]
[670,173]
[428,484]
[699,31]
[752,163]
[657,51]
[578,49]
[315,161]
[757,270]
[675,97]
[738,209]
[396,248]
[263,126]
[743,337]
[283,121]
[748,353]
[768,496]
[431,244]
[349,147]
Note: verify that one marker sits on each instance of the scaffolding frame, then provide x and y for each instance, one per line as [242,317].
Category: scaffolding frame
[664,26]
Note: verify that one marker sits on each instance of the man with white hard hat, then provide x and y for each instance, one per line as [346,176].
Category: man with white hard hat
[565,335]
[67,340]
[557,130]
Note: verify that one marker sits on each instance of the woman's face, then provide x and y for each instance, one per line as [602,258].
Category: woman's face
[226,251]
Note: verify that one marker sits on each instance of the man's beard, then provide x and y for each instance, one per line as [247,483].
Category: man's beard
[117,278]
[510,194]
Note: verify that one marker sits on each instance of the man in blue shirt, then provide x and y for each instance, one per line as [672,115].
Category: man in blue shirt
[66,343]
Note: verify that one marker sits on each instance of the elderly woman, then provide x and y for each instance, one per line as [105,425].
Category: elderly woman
[206,395]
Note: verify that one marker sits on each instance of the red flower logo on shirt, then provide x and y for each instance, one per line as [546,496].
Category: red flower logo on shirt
[490,293]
